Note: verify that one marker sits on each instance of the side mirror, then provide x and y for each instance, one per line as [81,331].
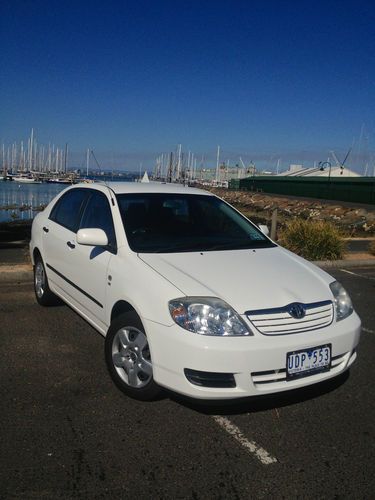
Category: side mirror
[94,237]
[264,229]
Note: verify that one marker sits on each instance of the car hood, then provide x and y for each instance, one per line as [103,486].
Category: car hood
[245,279]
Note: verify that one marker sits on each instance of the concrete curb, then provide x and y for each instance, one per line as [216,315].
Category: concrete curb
[15,275]
[334,264]
[16,272]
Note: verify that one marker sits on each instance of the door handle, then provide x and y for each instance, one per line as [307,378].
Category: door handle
[70,244]
[45,229]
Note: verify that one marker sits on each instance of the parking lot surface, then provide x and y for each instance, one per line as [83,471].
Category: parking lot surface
[67,432]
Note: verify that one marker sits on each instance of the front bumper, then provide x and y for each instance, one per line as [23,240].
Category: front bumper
[258,362]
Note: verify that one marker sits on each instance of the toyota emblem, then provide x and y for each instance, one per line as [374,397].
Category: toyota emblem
[297,310]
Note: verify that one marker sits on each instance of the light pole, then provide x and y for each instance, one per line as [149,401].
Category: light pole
[322,165]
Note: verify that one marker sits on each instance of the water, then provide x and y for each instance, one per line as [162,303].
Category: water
[31,196]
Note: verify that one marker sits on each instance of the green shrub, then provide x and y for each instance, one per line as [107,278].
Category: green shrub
[313,240]
[371,248]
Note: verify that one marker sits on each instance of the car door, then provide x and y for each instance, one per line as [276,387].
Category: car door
[59,240]
[91,263]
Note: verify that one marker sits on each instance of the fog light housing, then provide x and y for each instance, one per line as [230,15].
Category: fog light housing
[210,379]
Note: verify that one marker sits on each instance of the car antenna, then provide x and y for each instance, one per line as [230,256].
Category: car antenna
[105,182]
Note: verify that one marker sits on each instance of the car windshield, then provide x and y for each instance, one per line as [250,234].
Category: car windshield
[169,223]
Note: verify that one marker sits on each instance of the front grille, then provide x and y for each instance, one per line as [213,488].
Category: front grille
[279,321]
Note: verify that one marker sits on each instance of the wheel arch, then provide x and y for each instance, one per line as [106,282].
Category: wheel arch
[36,253]
[121,307]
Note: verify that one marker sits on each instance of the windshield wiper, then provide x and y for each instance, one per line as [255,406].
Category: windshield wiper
[200,246]
[230,245]
[176,247]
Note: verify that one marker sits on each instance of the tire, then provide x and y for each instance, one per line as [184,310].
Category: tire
[43,294]
[128,359]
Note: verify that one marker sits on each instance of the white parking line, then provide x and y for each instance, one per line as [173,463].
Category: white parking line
[367,330]
[260,453]
[356,274]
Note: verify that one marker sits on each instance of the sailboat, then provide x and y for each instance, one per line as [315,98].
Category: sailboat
[26,180]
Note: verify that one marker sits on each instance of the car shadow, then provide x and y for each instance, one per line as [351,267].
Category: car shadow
[261,403]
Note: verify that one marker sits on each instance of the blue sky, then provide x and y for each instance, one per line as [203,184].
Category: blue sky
[264,79]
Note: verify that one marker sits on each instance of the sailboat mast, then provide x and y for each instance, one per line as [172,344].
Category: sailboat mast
[31,149]
[217,163]
[66,156]
[87,162]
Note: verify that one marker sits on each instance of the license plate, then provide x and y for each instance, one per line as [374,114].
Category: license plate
[308,361]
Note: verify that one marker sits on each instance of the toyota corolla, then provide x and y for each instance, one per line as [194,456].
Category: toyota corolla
[189,294]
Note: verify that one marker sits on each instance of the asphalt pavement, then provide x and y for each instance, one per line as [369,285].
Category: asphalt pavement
[358,245]
[67,432]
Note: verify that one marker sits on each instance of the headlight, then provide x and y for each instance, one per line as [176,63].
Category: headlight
[207,316]
[343,303]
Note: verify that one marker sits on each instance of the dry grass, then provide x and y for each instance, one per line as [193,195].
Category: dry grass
[312,240]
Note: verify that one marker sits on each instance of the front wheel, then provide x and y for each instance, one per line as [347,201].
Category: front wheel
[43,294]
[128,358]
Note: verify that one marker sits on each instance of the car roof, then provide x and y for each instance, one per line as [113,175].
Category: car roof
[145,187]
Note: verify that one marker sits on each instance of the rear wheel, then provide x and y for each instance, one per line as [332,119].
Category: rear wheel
[43,294]
[128,358]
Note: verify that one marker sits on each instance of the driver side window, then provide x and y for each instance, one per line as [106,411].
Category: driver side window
[68,209]
[98,214]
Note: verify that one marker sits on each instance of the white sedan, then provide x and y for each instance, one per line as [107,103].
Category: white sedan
[189,294]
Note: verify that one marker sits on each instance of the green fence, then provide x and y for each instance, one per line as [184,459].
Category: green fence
[354,189]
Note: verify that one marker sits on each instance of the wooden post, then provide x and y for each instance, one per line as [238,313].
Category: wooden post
[274,225]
